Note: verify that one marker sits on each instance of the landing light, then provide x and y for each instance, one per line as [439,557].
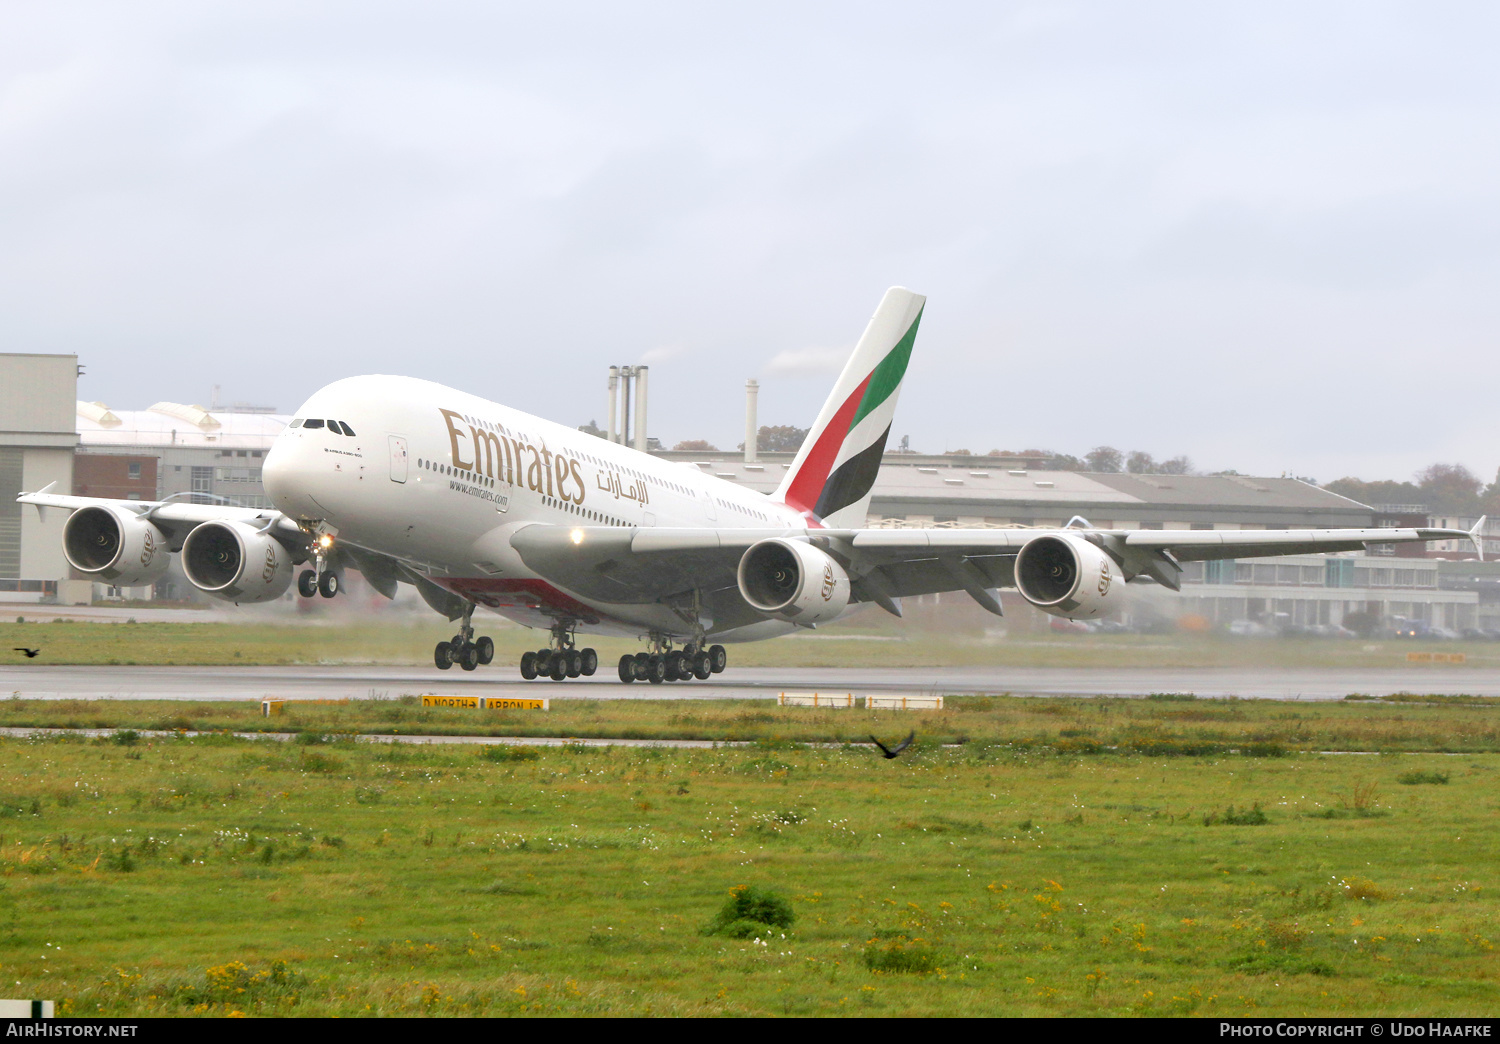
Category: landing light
[326,540]
[577,536]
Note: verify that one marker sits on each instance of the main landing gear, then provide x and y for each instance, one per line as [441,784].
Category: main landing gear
[664,664]
[560,661]
[464,649]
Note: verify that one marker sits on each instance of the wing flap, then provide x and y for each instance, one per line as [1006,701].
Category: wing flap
[628,566]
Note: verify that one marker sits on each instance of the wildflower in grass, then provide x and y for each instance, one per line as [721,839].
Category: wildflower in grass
[1094,979]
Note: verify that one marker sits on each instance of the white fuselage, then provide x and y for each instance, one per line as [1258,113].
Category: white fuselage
[439,479]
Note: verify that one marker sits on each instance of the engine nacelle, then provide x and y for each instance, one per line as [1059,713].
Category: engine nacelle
[792,580]
[1068,576]
[236,562]
[114,545]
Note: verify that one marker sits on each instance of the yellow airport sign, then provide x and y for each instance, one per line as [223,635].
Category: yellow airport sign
[1435,657]
[483,702]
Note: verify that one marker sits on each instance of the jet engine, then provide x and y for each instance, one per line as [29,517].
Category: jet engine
[118,546]
[792,580]
[236,562]
[1068,576]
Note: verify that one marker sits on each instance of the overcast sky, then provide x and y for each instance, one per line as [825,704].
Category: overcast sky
[1264,235]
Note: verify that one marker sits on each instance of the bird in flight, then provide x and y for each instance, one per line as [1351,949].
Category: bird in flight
[31,654]
[891,752]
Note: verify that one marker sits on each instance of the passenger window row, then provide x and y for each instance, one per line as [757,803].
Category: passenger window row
[335,426]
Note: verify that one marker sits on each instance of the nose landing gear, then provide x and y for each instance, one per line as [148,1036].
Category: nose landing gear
[311,583]
[324,577]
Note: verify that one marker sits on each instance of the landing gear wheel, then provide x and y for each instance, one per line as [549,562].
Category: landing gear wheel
[468,659]
[677,667]
[656,669]
[328,585]
[718,657]
[559,667]
[642,666]
[574,663]
[627,668]
[528,666]
[486,647]
[443,656]
[590,663]
[307,583]
[703,666]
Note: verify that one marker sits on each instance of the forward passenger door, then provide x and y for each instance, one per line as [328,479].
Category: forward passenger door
[398,458]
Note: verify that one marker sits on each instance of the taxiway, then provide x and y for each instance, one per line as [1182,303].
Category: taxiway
[304,682]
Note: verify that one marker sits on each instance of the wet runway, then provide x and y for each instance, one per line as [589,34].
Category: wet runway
[254,683]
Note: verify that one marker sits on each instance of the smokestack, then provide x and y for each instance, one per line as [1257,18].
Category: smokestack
[614,402]
[624,434]
[752,430]
[640,408]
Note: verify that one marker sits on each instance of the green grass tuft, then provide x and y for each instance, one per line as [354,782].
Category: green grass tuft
[751,911]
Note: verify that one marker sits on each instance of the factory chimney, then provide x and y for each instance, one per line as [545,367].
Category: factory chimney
[620,430]
[640,408]
[752,430]
[614,404]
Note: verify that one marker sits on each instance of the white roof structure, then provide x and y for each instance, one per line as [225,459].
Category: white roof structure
[171,424]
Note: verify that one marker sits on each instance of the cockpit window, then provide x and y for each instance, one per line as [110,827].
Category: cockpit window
[313,422]
[347,430]
[296,423]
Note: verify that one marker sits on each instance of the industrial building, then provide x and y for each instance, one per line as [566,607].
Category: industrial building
[174,450]
[37,441]
[970,491]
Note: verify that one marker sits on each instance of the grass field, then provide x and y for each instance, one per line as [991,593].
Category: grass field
[214,875]
[864,641]
[1169,724]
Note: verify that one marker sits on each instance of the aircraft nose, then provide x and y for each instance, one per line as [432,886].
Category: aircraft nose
[287,476]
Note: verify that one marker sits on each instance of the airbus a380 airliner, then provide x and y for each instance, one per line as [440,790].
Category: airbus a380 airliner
[479,504]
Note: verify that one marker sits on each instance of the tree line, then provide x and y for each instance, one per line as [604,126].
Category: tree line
[1444,489]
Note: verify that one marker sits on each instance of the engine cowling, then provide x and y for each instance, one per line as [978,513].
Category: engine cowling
[1068,576]
[792,580]
[111,544]
[236,562]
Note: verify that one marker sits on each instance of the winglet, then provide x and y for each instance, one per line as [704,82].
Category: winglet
[41,512]
[1477,535]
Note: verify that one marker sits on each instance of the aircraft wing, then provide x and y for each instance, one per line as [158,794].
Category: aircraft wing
[176,518]
[644,565]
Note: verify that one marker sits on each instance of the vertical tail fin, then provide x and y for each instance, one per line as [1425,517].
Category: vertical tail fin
[831,479]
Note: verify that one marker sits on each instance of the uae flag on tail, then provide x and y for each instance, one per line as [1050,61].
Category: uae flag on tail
[831,479]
